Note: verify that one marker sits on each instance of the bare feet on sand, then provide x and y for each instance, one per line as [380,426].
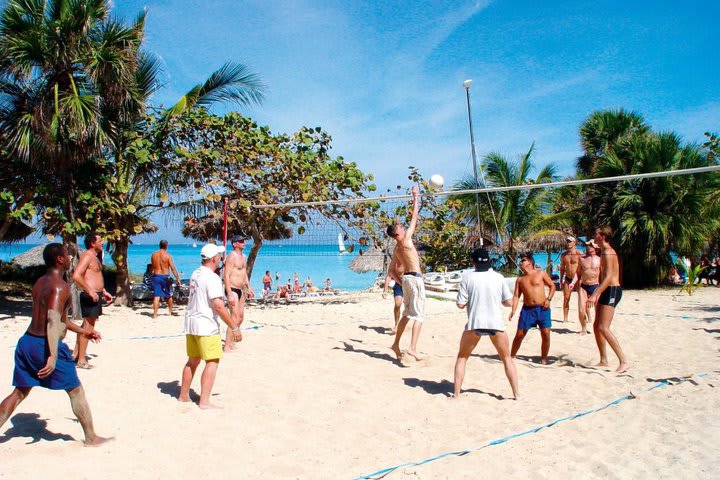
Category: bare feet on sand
[209,406]
[623,367]
[415,355]
[397,351]
[184,399]
[97,441]
[601,364]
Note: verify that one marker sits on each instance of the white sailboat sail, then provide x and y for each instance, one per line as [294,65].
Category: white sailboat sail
[341,244]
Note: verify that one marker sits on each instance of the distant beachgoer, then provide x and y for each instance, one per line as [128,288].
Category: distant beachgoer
[88,277]
[395,274]
[147,283]
[483,291]
[589,279]
[605,299]
[569,262]
[202,328]
[267,283]
[296,288]
[308,286]
[41,357]
[162,264]
[237,286]
[412,282]
[536,306]
[277,276]
[328,285]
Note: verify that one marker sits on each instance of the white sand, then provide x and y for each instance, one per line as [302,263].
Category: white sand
[314,393]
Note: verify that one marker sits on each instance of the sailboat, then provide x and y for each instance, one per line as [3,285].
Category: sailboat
[341,244]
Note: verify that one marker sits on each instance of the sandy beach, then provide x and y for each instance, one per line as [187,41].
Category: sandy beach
[314,392]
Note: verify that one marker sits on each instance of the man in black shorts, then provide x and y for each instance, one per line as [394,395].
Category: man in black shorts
[605,299]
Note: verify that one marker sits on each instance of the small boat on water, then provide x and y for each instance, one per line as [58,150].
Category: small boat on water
[341,244]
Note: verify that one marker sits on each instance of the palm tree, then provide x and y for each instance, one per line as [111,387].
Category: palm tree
[653,217]
[603,131]
[64,76]
[141,182]
[517,212]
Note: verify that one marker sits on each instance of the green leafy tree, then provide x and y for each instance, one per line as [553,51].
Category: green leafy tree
[651,217]
[231,157]
[65,74]
[518,213]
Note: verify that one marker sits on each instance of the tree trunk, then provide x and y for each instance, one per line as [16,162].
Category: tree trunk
[257,243]
[123,294]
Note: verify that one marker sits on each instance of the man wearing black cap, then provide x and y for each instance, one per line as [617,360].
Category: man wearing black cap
[237,286]
[484,291]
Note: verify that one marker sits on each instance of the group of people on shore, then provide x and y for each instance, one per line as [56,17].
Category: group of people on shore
[292,288]
[483,291]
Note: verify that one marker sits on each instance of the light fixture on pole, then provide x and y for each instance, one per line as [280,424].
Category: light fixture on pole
[467,84]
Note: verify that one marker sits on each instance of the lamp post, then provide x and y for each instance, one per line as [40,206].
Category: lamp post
[467,84]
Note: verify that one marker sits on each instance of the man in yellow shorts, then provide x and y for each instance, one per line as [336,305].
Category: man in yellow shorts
[202,327]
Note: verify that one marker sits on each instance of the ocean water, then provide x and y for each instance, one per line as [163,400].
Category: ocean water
[317,261]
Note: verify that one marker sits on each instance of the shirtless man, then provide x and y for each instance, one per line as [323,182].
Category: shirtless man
[606,298]
[569,262]
[395,273]
[41,357]
[162,264]
[237,287]
[589,274]
[267,283]
[412,282]
[536,306]
[88,277]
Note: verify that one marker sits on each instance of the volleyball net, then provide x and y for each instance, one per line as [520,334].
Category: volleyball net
[356,226]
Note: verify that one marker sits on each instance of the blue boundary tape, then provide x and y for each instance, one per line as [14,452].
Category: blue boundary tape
[459,453]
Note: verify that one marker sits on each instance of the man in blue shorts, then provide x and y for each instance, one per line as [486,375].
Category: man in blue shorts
[536,305]
[162,264]
[395,273]
[41,357]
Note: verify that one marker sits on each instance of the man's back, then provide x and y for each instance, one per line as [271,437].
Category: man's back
[161,262]
[483,293]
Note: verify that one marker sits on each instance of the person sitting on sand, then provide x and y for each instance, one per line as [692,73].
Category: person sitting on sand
[536,306]
[328,285]
[483,291]
[296,287]
[308,286]
[41,357]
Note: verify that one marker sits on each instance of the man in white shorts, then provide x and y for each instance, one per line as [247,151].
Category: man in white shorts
[412,282]
[484,291]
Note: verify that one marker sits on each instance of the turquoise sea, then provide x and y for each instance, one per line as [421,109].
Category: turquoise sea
[316,261]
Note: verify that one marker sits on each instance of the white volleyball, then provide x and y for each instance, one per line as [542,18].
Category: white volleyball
[437,181]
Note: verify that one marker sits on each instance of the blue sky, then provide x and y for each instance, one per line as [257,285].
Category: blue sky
[385,78]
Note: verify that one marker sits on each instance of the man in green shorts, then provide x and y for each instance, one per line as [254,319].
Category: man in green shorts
[202,328]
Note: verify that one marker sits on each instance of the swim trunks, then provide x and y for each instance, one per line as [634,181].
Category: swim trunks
[397,290]
[568,280]
[31,355]
[485,331]
[240,292]
[532,316]
[161,285]
[611,296]
[590,289]
[90,308]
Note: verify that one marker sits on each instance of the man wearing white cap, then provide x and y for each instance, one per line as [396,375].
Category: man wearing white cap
[569,263]
[202,328]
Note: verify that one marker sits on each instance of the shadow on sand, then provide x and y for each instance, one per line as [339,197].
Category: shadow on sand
[381,356]
[444,387]
[30,425]
[172,389]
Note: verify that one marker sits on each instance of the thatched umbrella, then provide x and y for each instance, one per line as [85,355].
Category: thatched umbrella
[373,259]
[16,231]
[31,258]
[548,241]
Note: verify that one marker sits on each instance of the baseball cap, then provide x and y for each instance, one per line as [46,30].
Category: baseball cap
[480,255]
[238,238]
[210,250]
[591,243]
[570,239]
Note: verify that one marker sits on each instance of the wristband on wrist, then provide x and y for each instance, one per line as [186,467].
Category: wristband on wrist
[235,330]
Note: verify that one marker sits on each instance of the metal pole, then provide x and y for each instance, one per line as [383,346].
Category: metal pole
[467,84]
